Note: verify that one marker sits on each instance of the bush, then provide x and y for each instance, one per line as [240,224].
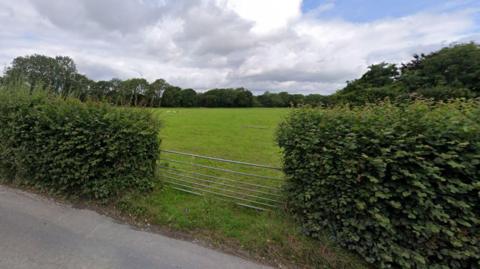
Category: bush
[83,149]
[443,93]
[399,185]
[368,95]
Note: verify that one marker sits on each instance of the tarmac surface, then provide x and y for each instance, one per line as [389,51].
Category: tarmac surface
[37,232]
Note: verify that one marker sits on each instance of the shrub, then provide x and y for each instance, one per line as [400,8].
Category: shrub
[442,93]
[368,95]
[83,149]
[398,184]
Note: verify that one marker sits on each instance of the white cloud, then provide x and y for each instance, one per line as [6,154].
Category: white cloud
[262,45]
[267,15]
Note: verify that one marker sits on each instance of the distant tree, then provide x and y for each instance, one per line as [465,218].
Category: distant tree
[81,86]
[132,91]
[208,100]
[244,98]
[155,91]
[318,100]
[54,74]
[229,97]
[284,99]
[114,95]
[188,98]
[100,90]
[171,97]
[296,100]
[64,75]
[268,99]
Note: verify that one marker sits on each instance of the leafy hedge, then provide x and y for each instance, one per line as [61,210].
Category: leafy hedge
[399,185]
[74,148]
[445,93]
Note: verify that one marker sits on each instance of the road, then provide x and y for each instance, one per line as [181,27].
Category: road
[36,232]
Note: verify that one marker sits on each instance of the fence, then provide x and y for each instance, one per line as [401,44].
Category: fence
[246,184]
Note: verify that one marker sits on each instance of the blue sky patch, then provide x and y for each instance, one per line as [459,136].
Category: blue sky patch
[371,10]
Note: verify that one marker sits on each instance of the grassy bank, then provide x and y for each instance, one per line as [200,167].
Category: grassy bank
[269,237]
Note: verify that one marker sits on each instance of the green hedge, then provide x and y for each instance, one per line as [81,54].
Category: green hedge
[82,149]
[398,184]
[443,93]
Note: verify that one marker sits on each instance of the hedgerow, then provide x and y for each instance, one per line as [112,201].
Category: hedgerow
[83,149]
[398,184]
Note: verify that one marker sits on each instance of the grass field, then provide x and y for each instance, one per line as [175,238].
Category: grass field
[244,135]
[238,134]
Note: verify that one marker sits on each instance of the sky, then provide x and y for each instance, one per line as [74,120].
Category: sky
[309,46]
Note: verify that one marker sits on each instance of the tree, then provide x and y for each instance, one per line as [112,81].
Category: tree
[244,98]
[100,90]
[188,98]
[81,86]
[171,97]
[133,90]
[155,91]
[268,99]
[35,70]
[54,74]
[64,73]
[114,96]
[456,66]
[317,100]
[377,75]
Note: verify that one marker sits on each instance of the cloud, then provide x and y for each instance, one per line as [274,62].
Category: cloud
[268,15]
[262,45]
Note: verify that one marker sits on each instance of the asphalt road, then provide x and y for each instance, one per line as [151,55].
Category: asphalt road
[39,233]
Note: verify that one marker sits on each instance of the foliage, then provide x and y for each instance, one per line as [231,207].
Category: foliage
[188,98]
[398,184]
[444,93]
[449,73]
[456,66]
[171,97]
[74,148]
[368,95]
[377,75]
[284,99]
[239,97]
[56,74]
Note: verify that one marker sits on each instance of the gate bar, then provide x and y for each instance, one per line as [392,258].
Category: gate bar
[220,169]
[220,160]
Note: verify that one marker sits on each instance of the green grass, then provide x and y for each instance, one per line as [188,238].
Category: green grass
[245,135]
[237,133]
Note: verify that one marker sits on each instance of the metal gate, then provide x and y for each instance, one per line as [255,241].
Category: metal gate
[246,184]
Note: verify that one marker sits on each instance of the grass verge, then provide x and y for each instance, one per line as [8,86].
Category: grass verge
[270,237]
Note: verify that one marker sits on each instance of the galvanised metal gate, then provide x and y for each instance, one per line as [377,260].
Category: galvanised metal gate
[246,184]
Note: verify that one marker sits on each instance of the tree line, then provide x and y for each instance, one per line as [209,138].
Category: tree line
[59,75]
[453,71]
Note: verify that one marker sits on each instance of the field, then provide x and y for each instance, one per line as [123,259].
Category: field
[238,134]
[244,135]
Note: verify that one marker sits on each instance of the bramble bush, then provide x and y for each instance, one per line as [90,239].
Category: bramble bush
[398,184]
[88,150]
